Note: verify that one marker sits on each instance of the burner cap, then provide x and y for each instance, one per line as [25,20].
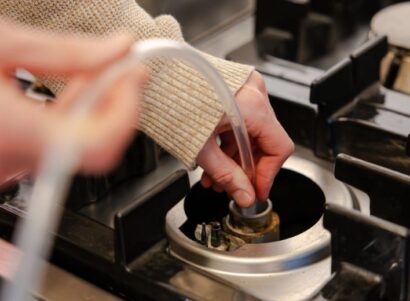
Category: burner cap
[394,21]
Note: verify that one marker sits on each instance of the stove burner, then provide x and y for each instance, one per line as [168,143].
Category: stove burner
[392,22]
[299,195]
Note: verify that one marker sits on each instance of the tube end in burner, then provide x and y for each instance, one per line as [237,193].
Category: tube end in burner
[259,227]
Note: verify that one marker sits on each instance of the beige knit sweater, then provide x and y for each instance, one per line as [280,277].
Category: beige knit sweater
[180,110]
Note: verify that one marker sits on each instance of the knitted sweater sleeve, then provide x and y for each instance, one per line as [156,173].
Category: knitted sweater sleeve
[180,110]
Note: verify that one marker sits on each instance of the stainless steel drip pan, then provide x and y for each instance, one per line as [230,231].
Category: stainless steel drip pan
[289,269]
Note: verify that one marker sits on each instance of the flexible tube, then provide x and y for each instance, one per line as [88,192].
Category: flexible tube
[34,234]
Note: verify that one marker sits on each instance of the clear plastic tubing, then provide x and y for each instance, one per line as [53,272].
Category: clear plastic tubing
[34,233]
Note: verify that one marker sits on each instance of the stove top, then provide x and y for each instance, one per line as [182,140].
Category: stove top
[342,198]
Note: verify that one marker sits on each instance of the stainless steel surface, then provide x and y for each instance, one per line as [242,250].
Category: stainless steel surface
[290,269]
[202,287]
[230,38]
[57,284]
[200,18]
[277,67]
[291,71]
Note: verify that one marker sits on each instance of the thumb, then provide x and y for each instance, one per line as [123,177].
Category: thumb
[226,173]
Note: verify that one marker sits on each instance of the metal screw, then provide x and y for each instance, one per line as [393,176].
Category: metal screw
[204,235]
[216,234]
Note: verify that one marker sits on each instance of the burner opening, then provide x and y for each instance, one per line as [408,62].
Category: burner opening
[296,199]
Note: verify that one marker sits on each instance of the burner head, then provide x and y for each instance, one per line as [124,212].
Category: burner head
[394,22]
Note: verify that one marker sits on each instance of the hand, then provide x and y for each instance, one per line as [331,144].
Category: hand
[270,143]
[25,128]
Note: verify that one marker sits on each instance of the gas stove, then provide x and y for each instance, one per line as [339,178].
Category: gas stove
[149,231]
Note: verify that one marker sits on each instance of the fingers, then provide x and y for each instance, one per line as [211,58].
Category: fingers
[273,144]
[276,147]
[10,175]
[228,144]
[25,129]
[225,174]
[105,133]
[40,52]
[230,148]
[206,180]
[22,125]
[271,147]
[256,81]
[106,130]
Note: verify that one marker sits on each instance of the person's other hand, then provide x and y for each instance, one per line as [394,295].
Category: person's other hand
[271,147]
[25,128]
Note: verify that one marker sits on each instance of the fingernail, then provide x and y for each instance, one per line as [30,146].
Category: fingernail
[242,197]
